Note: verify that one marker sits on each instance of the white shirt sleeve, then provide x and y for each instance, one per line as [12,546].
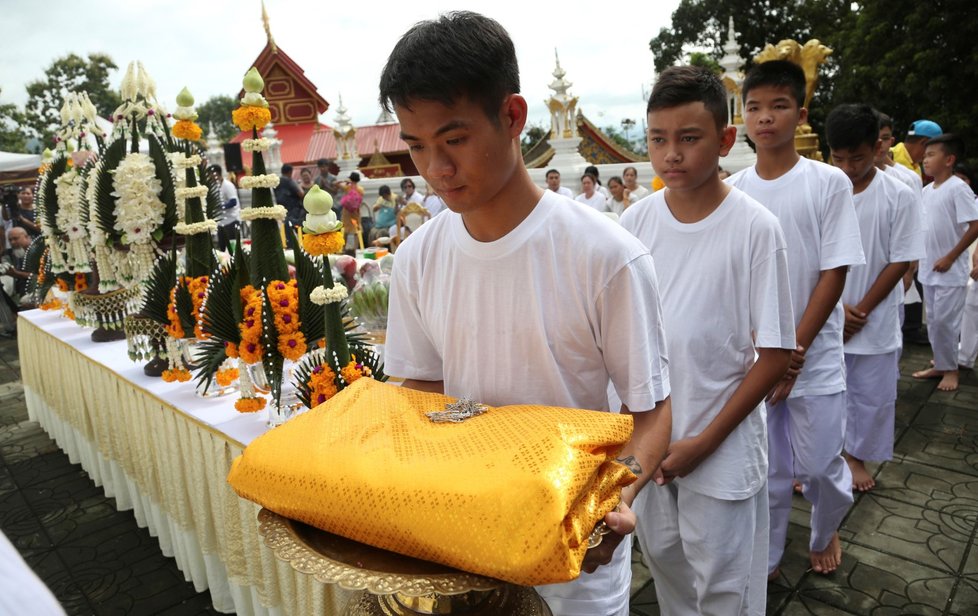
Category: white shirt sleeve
[906,231]
[629,316]
[965,205]
[409,352]
[839,228]
[771,315]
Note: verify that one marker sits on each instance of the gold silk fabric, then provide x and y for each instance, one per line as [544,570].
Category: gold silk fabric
[511,494]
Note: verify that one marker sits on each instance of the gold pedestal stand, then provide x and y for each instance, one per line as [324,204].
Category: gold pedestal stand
[392,584]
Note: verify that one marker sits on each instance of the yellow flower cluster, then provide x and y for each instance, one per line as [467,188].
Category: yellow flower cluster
[54,304]
[198,292]
[186,129]
[250,405]
[248,117]
[231,350]
[323,243]
[353,371]
[284,299]
[226,377]
[62,285]
[81,282]
[174,329]
[250,348]
[180,375]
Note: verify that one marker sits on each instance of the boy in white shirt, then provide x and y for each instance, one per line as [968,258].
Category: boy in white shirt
[585,309]
[807,408]
[704,527]
[889,224]
[952,225]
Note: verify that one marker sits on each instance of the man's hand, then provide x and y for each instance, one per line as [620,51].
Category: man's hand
[682,458]
[797,363]
[943,264]
[855,321]
[781,391]
[621,523]
[974,273]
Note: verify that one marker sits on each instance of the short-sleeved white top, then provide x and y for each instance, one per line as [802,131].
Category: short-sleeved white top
[889,225]
[597,201]
[723,280]
[948,209]
[813,203]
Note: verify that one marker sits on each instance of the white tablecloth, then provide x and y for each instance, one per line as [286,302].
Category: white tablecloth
[163,452]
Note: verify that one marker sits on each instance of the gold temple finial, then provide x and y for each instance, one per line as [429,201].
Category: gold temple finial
[268,28]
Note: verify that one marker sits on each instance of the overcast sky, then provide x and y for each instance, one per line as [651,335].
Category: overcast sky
[207,45]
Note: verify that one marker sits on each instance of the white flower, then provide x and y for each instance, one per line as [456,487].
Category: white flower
[179,160]
[206,226]
[322,296]
[189,192]
[269,180]
[276,212]
[138,210]
[256,145]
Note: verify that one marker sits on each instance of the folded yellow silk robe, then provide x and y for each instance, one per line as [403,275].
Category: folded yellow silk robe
[511,494]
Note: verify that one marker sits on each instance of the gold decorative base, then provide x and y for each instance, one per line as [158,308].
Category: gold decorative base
[392,584]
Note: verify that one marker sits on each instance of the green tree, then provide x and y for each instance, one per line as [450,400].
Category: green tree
[698,58]
[532,134]
[12,137]
[217,111]
[68,74]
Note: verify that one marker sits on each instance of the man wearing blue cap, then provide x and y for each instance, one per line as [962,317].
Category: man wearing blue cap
[911,152]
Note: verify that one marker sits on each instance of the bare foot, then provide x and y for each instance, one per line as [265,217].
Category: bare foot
[929,373]
[862,481]
[949,382]
[827,560]
[797,487]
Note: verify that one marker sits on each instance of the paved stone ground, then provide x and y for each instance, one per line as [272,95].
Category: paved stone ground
[909,545]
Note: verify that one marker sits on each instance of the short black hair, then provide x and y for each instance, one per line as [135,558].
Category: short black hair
[592,176]
[626,169]
[286,169]
[616,178]
[459,55]
[952,145]
[885,120]
[384,190]
[549,171]
[679,85]
[851,125]
[405,182]
[779,74]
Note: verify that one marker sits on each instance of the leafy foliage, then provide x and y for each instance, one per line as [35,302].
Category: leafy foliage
[157,153]
[68,74]
[308,275]
[216,111]
[163,278]
[12,135]
[104,201]
[58,168]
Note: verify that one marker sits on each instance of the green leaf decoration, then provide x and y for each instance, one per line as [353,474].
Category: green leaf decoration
[49,188]
[104,201]
[157,294]
[157,152]
[185,309]
[271,359]
[308,276]
[210,355]
[212,202]
[85,176]
[221,312]
[267,254]
[32,264]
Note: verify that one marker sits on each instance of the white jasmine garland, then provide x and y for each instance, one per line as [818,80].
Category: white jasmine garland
[322,296]
[68,190]
[276,212]
[206,226]
[256,145]
[269,180]
[189,192]
[138,209]
[181,161]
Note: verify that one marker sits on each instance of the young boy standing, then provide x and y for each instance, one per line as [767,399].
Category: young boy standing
[704,527]
[586,309]
[889,225]
[806,409]
[952,225]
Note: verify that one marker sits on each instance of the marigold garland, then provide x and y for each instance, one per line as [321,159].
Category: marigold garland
[81,282]
[248,117]
[323,243]
[250,405]
[284,299]
[250,349]
[174,329]
[186,129]
[353,371]
[231,350]
[198,292]
[68,314]
[179,375]
[322,384]
[54,304]
[225,377]
[62,285]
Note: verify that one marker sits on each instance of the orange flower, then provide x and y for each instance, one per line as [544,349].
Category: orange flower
[197,287]
[250,405]
[247,117]
[250,352]
[54,304]
[186,129]
[174,328]
[68,314]
[182,375]
[62,285]
[322,385]
[231,350]
[292,346]
[323,243]
[226,377]
[351,372]
[81,282]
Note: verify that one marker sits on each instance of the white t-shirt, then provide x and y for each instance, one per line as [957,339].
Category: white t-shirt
[912,180]
[948,209]
[889,224]
[415,197]
[722,279]
[612,205]
[640,192]
[563,190]
[231,214]
[813,203]
[597,201]
[545,315]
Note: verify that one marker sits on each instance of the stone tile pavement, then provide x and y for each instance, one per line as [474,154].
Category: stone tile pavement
[909,545]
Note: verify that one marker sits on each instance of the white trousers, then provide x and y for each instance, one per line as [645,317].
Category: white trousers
[871,391]
[706,555]
[944,306]
[805,437]
[968,351]
[602,593]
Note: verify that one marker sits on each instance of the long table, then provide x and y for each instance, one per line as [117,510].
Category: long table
[163,452]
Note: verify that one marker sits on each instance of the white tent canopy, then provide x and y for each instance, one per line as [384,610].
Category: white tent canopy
[19,162]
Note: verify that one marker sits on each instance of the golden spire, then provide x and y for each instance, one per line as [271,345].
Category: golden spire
[268,29]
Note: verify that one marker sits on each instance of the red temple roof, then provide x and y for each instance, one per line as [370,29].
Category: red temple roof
[383,138]
[296,142]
